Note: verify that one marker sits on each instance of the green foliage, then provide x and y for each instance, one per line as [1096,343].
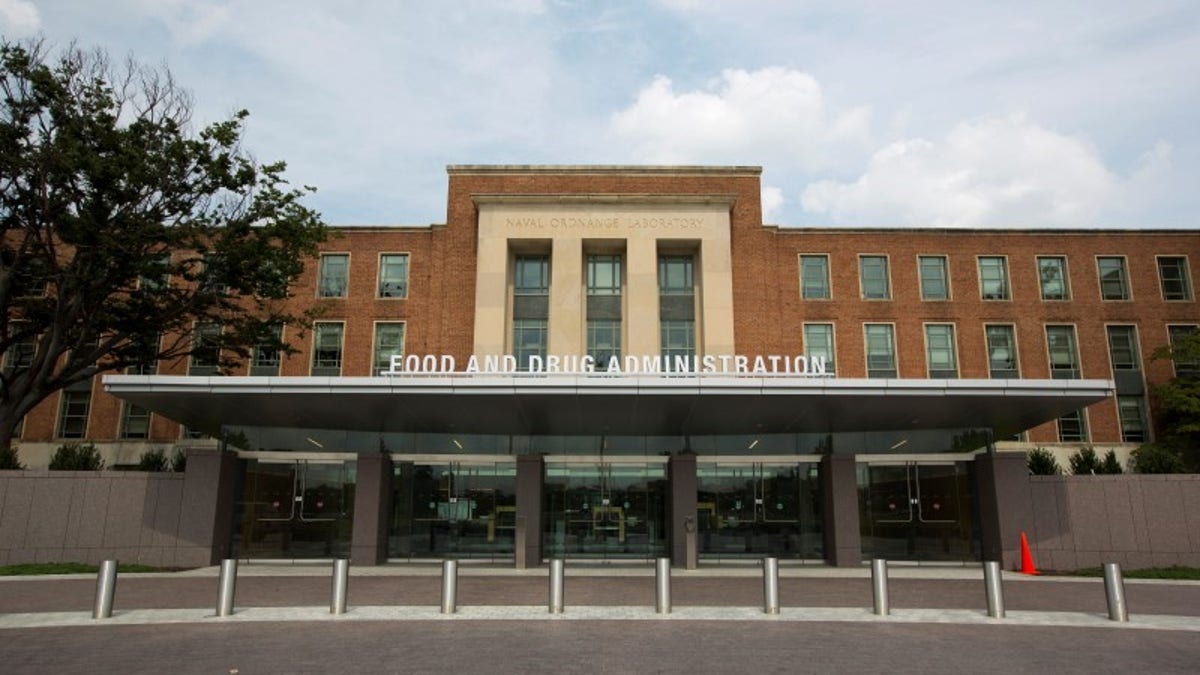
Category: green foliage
[1084,462]
[121,225]
[1178,401]
[1156,458]
[9,461]
[154,459]
[1041,462]
[1173,572]
[179,461]
[34,569]
[1110,465]
[76,457]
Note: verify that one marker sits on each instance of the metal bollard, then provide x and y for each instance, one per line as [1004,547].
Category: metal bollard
[449,586]
[226,587]
[106,587]
[995,590]
[556,586]
[341,582]
[662,585]
[771,585]
[691,555]
[879,585]
[1114,591]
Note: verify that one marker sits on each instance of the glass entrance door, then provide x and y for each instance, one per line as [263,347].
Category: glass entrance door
[755,509]
[295,509]
[917,511]
[605,510]
[460,509]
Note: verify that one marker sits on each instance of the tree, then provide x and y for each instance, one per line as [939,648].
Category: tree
[1084,462]
[123,229]
[1179,400]
[1041,462]
[1110,465]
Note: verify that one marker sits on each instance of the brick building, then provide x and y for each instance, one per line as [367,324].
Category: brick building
[625,362]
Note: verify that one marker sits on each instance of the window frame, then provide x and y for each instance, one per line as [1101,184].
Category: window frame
[195,366]
[317,348]
[518,274]
[1134,347]
[1013,349]
[945,269]
[929,369]
[1143,418]
[1185,278]
[867,349]
[1189,370]
[862,277]
[831,359]
[593,261]
[376,366]
[826,280]
[1077,362]
[1065,279]
[1084,427]
[63,404]
[381,280]
[522,355]
[1126,282]
[665,260]
[258,363]
[1006,278]
[127,410]
[321,279]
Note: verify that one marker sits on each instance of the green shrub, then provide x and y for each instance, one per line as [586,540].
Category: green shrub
[179,461]
[1110,465]
[154,459]
[1041,462]
[9,461]
[1156,458]
[1085,462]
[76,457]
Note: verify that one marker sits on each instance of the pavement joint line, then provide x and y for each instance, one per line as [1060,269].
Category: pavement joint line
[594,613]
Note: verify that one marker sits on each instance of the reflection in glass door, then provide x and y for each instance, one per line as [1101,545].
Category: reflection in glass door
[917,511]
[455,509]
[295,509]
[605,510]
[753,509]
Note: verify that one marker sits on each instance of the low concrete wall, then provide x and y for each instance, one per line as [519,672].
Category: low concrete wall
[1135,520]
[160,519]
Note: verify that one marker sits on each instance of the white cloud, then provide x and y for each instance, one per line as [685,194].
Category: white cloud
[995,172]
[19,18]
[772,201]
[770,116]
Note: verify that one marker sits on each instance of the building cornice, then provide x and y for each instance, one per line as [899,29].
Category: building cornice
[603,199]
[605,169]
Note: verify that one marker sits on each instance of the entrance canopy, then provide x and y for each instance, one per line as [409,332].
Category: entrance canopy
[525,404]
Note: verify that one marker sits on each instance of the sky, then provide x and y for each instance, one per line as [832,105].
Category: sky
[957,114]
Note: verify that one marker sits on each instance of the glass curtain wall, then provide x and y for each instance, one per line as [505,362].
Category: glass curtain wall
[917,511]
[755,509]
[602,510]
[294,509]
[456,509]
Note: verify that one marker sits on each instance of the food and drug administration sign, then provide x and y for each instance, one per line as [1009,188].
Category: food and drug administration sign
[552,364]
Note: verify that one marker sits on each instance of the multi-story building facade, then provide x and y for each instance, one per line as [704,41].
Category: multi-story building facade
[624,361]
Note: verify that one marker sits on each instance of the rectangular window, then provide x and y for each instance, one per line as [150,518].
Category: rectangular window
[675,275]
[1002,352]
[147,347]
[21,351]
[1173,275]
[1064,356]
[1123,348]
[818,341]
[529,339]
[73,412]
[993,277]
[678,339]
[1072,428]
[604,275]
[1052,277]
[1114,280]
[939,350]
[265,357]
[327,349]
[531,275]
[935,284]
[1133,419]
[334,275]
[135,421]
[881,350]
[873,277]
[393,275]
[814,277]
[206,349]
[603,341]
[389,342]
[1183,368]
[156,276]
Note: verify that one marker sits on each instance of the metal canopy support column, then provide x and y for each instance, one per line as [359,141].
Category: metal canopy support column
[843,539]
[372,506]
[681,470]
[530,480]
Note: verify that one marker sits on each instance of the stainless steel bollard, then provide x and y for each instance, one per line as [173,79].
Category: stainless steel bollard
[556,586]
[770,585]
[341,582]
[449,586]
[106,587]
[1114,591]
[995,590]
[879,586]
[662,585]
[226,586]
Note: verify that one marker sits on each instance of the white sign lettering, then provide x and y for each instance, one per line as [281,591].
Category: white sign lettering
[575,364]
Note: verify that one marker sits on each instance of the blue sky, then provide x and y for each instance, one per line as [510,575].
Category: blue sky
[960,114]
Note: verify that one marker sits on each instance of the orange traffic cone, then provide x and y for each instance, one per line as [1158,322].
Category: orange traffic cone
[1027,558]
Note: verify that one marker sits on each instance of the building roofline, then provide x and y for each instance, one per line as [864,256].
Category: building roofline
[961,231]
[614,169]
